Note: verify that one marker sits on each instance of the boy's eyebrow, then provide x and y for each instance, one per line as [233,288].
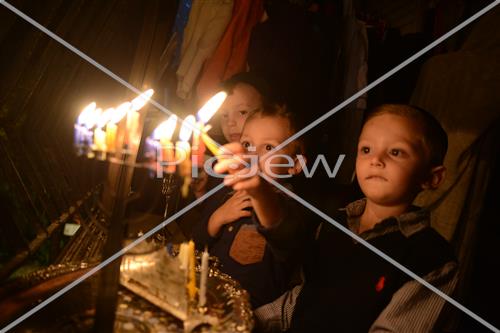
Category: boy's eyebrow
[414,145]
[241,104]
[271,140]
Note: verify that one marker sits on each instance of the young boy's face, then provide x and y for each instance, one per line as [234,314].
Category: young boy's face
[261,135]
[236,109]
[392,160]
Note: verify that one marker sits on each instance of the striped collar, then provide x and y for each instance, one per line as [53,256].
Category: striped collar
[407,223]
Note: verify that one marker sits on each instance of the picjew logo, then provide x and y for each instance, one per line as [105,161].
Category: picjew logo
[275,166]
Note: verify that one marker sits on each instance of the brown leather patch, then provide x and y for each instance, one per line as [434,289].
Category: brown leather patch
[248,246]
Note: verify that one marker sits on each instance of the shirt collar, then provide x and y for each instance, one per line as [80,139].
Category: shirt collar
[407,223]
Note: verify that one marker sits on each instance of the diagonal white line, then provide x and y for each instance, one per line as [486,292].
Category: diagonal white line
[293,137]
[86,58]
[383,77]
[109,260]
[380,253]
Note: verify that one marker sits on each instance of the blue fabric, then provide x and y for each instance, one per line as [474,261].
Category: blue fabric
[181,20]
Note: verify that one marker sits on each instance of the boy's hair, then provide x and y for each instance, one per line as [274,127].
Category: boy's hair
[435,137]
[247,78]
[281,111]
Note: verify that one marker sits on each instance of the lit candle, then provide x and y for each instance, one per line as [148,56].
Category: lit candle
[90,122]
[202,300]
[198,146]
[111,128]
[183,153]
[141,100]
[206,112]
[132,138]
[163,133]
[80,130]
[100,134]
[191,287]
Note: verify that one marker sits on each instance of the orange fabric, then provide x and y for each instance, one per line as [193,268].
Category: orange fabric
[230,56]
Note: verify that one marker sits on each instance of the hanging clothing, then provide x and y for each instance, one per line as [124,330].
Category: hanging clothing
[231,54]
[172,53]
[181,19]
[207,22]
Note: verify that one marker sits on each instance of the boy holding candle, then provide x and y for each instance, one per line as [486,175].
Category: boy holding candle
[348,288]
[246,93]
[238,228]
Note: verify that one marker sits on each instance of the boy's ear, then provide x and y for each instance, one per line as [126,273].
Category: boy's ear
[435,178]
[297,165]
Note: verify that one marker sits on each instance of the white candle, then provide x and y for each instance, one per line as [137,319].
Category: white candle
[202,300]
[183,256]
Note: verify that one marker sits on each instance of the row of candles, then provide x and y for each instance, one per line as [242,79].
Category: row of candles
[187,263]
[96,135]
[96,129]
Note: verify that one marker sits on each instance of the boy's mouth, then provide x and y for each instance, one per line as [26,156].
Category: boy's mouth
[235,136]
[376,177]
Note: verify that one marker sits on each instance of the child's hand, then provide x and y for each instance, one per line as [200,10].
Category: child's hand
[243,172]
[232,210]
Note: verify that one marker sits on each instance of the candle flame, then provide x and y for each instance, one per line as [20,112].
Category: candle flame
[208,110]
[142,99]
[188,125]
[105,117]
[166,129]
[82,118]
[92,118]
[120,112]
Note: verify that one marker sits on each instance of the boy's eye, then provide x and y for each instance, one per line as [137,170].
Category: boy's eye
[396,152]
[243,112]
[245,144]
[364,150]
[269,147]
[225,115]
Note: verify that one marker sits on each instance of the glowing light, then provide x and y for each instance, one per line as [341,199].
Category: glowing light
[92,118]
[187,128]
[89,109]
[166,129]
[141,100]
[120,112]
[210,108]
[105,117]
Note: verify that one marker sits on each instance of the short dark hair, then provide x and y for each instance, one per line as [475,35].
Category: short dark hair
[281,111]
[251,79]
[435,137]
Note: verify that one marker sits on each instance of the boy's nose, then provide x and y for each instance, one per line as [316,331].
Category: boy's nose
[377,160]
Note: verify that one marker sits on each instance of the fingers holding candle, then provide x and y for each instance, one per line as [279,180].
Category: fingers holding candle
[231,158]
